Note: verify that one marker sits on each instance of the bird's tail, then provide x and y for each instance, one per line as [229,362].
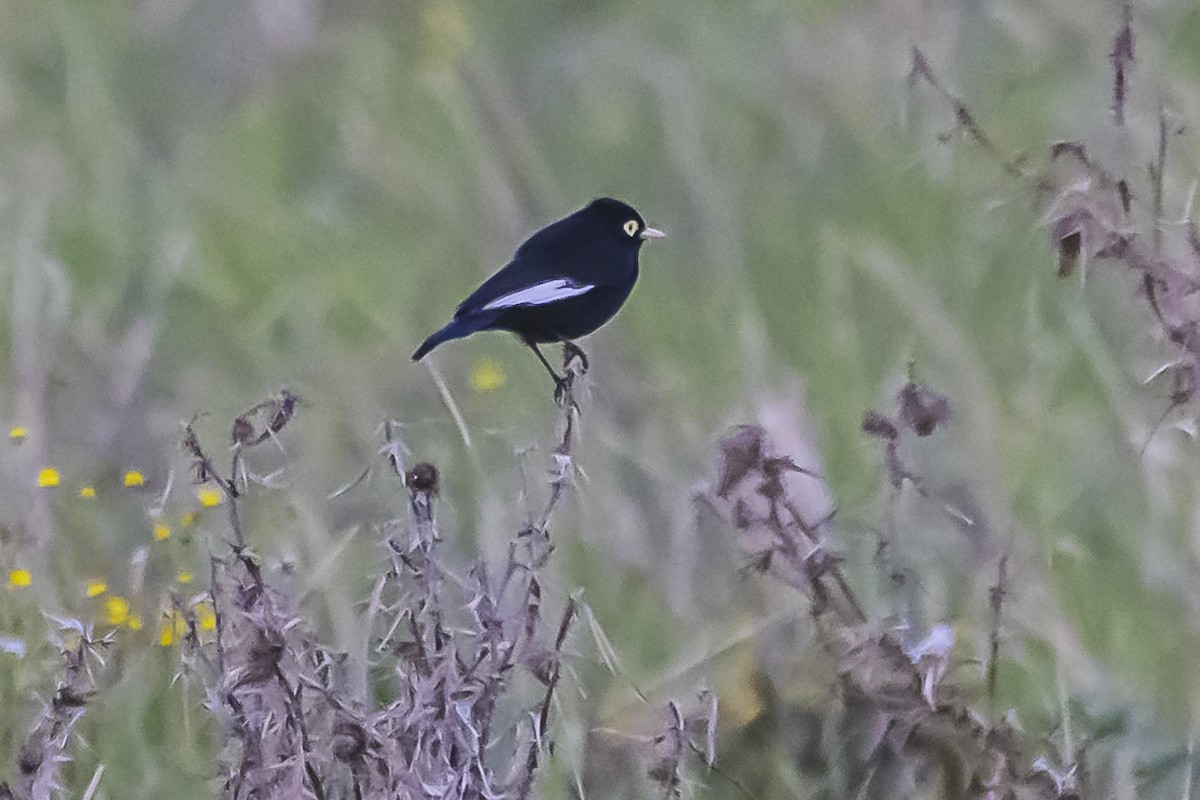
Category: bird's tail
[455,330]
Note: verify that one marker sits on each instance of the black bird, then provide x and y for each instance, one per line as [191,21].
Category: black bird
[563,282]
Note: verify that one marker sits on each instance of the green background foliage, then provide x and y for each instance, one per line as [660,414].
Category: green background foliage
[201,202]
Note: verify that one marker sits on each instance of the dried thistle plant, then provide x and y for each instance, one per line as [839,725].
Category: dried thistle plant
[901,729]
[470,661]
[684,733]
[1093,215]
[47,747]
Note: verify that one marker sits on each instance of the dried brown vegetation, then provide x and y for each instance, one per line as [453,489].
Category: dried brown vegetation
[455,694]
[905,732]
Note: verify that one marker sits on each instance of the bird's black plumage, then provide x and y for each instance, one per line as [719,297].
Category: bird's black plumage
[563,282]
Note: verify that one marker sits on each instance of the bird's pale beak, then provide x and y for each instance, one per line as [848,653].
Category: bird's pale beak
[652,233]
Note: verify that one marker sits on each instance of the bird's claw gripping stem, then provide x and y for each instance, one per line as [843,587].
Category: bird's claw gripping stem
[572,351]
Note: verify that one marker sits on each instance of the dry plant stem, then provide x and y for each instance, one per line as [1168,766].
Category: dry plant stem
[231,495]
[45,749]
[564,626]
[252,658]
[1158,178]
[451,650]
[752,483]
[94,784]
[1097,221]
[678,736]
[671,744]
[1122,57]
[499,656]
[391,443]
[251,756]
[562,478]
[878,679]
[1190,767]
[296,716]
[963,116]
[889,578]
[996,597]
[831,568]
[564,466]
[420,509]
[218,616]
[469,663]
[542,717]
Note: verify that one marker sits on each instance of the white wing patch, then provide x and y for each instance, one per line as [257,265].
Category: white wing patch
[539,294]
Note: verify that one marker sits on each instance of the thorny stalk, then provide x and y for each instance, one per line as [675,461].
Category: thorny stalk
[963,115]
[882,683]
[835,572]
[296,716]
[454,646]
[1122,58]
[891,579]
[451,647]
[45,749]
[1091,214]
[752,486]
[996,597]
[670,746]
[1158,181]
[470,661]
[682,732]
[563,458]
[252,636]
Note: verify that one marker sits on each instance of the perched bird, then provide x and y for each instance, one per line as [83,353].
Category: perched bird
[564,281]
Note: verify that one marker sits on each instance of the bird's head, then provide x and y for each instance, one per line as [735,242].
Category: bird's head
[621,220]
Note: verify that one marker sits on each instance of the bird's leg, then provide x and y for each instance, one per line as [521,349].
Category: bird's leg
[560,383]
[572,350]
[532,345]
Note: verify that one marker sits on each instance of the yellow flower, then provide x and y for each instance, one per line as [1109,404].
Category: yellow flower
[134,478]
[209,496]
[88,492]
[162,531]
[47,478]
[116,610]
[134,623]
[487,375]
[18,433]
[20,578]
[96,588]
[187,520]
[206,616]
[172,628]
[184,577]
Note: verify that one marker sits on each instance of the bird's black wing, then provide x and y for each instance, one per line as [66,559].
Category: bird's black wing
[549,258]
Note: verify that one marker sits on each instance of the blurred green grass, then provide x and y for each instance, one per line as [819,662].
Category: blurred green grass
[203,202]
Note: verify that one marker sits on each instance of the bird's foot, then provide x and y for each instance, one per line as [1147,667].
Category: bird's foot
[572,351]
[564,390]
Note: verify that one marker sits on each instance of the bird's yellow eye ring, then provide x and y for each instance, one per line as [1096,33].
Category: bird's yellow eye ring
[631,227]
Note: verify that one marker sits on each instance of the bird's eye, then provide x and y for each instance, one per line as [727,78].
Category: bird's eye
[631,227]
